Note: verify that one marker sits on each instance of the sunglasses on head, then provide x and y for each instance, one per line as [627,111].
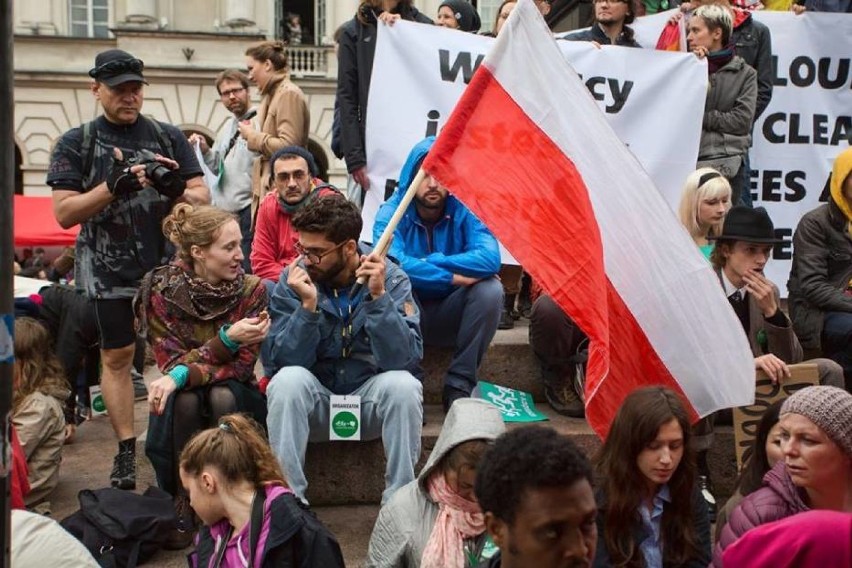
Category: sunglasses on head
[118,67]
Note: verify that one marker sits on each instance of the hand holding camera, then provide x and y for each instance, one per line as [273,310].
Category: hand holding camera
[144,168]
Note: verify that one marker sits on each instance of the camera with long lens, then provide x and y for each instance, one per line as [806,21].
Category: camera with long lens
[167,181]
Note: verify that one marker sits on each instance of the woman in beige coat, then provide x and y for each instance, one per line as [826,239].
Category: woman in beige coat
[283,115]
[40,393]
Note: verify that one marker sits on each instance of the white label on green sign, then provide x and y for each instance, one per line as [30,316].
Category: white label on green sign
[345,421]
[96,399]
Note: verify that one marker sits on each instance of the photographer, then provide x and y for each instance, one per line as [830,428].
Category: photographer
[118,177]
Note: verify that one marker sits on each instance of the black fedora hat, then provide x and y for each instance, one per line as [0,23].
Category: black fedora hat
[750,225]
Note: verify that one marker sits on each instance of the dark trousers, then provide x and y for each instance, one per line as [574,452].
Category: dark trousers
[837,341]
[744,182]
[554,338]
[467,320]
[244,219]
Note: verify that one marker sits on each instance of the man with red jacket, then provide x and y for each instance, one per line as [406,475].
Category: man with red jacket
[294,179]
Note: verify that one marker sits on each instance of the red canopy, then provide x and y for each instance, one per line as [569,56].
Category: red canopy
[35,224]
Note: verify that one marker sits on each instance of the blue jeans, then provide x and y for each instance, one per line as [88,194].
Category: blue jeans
[467,320]
[391,409]
[837,340]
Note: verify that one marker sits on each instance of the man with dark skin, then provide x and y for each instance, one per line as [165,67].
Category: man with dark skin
[535,488]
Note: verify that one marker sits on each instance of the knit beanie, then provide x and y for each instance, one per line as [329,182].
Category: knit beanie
[830,408]
[295,151]
[465,14]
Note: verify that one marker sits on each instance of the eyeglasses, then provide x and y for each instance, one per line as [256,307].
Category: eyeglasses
[315,257]
[118,67]
[229,92]
[284,177]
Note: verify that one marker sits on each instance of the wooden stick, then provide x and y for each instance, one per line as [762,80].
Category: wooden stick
[381,247]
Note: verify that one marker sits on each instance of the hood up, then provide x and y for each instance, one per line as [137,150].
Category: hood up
[468,419]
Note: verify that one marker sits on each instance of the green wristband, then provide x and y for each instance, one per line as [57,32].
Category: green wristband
[180,375]
[232,345]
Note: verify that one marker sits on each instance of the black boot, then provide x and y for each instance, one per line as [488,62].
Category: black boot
[506,319]
[706,485]
[525,297]
[561,395]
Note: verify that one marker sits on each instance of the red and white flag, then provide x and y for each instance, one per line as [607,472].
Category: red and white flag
[530,153]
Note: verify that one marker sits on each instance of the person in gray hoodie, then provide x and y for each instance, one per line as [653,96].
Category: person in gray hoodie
[411,528]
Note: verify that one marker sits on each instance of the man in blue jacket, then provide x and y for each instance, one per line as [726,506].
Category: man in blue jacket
[324,341]
[452,260]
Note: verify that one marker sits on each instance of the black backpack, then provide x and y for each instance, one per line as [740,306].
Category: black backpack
[120,528]
[296,538]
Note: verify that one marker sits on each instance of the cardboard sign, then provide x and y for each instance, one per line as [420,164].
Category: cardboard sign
[514,405]
[746,418]
[344,417]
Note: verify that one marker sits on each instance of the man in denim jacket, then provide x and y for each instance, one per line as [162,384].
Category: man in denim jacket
[327,338]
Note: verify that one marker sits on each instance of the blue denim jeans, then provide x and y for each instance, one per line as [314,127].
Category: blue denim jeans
[391,409]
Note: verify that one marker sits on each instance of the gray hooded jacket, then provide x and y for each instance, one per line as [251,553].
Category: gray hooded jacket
[405,522]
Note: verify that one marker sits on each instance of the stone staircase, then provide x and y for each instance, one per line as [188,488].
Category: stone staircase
[352,473]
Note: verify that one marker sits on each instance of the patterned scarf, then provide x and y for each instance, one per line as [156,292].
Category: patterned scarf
[457,520]
[187,293]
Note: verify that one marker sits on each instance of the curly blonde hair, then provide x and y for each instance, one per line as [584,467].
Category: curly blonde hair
[189,225]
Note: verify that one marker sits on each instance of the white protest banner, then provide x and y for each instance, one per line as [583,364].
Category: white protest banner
[807,123]
[653,100]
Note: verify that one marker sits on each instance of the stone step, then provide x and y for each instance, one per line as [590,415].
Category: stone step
[509,362]
[508,365]
[349,473]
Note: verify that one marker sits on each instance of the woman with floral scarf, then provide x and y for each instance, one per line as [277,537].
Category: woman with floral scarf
[205,321]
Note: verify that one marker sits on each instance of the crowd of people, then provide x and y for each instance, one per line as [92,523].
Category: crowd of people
[265,270]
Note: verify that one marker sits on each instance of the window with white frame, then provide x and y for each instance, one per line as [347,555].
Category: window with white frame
[320,11]
[89,18]
[488,13]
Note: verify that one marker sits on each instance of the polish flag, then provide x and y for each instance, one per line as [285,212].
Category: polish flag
[529,152]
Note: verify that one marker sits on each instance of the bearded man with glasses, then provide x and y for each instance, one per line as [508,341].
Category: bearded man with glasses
[118,177]
[329,338]
[294,184]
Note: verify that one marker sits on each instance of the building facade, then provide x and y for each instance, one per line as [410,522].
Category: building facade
[184,44]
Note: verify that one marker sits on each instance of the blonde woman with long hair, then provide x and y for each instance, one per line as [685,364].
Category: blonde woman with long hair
[705,201]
